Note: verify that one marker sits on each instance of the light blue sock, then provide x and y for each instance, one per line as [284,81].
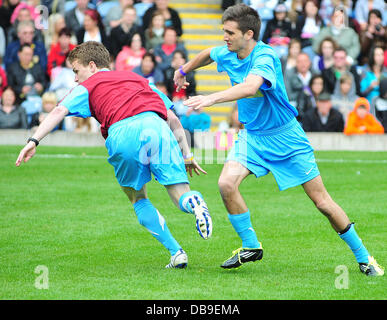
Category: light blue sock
[154,222]
[184,200]
[242,225]
[355,244]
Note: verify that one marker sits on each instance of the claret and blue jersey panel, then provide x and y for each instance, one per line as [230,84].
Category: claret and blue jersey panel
[77,102]
[269,108]
[113,96]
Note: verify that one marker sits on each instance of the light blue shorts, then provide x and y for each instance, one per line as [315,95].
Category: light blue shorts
[141,145]
[285,152]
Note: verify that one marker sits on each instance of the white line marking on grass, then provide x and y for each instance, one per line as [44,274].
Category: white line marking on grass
[351,161]
[70,156]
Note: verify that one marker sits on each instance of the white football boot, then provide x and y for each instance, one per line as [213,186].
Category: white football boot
[178,261]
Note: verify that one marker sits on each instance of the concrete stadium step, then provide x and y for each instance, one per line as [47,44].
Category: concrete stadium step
[202,28]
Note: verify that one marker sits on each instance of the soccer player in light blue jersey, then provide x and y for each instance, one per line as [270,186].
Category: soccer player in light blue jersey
[272,141]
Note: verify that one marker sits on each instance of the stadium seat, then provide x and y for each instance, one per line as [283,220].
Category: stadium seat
[69,5]
[104,7]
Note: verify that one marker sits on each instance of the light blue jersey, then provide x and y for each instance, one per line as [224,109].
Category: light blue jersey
[269,108]
[273,140]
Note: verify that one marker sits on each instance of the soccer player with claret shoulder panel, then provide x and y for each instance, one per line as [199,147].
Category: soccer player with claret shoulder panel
[272,141]
[133,117]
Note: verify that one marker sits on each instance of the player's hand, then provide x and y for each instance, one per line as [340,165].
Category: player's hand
[180,81]
[193,165]
[26,153]
[198,102]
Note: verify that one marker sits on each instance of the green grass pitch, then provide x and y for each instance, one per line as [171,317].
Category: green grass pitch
[65,211]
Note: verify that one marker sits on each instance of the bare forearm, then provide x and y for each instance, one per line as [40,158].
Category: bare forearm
[200,60]
[50,122]
[242,90]
[179,133]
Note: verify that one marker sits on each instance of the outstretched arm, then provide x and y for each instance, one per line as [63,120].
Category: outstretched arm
[48,124]
[242,90]
[179,133]
[201,59]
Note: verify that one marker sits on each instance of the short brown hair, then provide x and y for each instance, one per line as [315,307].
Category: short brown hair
[91,51]
[246,17]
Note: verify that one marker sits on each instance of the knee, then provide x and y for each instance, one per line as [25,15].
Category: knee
[226,186]
[323,204]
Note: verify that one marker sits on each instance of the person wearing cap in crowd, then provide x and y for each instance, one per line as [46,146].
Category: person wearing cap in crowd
[361,121]
[323,118]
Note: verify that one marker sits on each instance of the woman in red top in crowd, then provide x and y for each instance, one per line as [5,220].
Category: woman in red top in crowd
[59,50]
[131,56]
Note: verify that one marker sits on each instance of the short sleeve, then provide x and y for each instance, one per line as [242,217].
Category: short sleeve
[168,103]
[216,54]
[77,102]
[264,66]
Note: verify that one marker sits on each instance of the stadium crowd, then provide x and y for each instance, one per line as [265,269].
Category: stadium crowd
[333,56]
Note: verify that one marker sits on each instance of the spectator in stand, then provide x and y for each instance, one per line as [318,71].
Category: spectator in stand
[179,58]
[341,33]
[369,85]
[308,25]
[375,34]
[131,55]
[340,66]
[49,102]
[54,6]
[361,121]
[295,11]
[6,10]
[323,118]
[164,51]
[327,7]
[25,34]
[316,87]
[265,10]
[74,17]
[25,77]
[30,5]
[297,82]
[289,61]
[121,34]
[23,12]
[141,7]
[278,31]
[324,58]
[171,16]
[56,22]
[344,99]
[115,14]
[3,80]
[379,104]
[149,70]
[154,33]
[93,29]
[12,116]
[59,50]
[362,9]
[62,79]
